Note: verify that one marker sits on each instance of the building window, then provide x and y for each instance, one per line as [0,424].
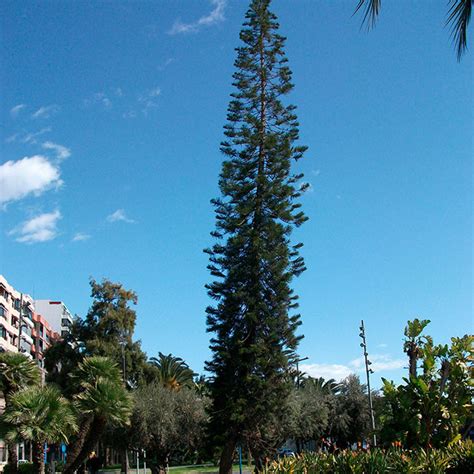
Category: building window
[3,292]
[28,314]
[16,304]
[3,333]
[3,311]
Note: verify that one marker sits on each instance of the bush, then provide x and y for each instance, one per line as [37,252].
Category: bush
[456,459]
[23,468]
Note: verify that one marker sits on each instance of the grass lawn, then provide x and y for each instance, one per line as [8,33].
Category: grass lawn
[202,469]
[209,469]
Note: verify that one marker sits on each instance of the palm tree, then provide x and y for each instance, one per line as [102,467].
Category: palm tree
[325,387]
[173,372]
[17,371]
[459,15]
[100,399]
[39,415]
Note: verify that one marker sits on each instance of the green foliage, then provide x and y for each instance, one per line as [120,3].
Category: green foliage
[39,414]
[308,416]
[172,372]
[169,424]
[349,419]
[100,392]
[320,385]
[431,408]
[253,261]
[456,459]
[17,371]
[23,468]
[100,400]
[107,331]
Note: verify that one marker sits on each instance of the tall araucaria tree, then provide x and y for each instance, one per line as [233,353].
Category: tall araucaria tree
[253,260]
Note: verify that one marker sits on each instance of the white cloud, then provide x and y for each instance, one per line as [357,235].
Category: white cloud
[14,111]
[99,98]
[37,229]
[119,215]
[30,175]
[380,362]
[80,237]
[165,64]
[61,151]
[316,172]
[214,17]
[327,371]
[148,99]
[46,111]
[129,114]
[32,136]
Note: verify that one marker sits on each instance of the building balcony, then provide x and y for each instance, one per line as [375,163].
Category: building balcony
[28,321]
[7,346]
[26,337]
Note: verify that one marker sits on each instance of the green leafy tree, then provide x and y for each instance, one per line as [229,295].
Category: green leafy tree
[349,419]
[309,414]
[253,261]
[107,331]
[100,400]
[168,423]
[459,15]
[17,371]
[39,415]
[172,372]
[432,407]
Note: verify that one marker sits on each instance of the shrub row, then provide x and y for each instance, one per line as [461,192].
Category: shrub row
[456,459]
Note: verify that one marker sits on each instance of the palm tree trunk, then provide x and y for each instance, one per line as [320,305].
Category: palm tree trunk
[124,458]
[38,457]
[12,458]
[96,429]
[227,457]
[72,463]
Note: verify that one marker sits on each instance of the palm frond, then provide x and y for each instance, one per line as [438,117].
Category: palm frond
[372,10]
[173,372]
[17,371]
[459,15]
[38,414]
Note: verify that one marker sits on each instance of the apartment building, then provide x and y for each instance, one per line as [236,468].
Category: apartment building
[57,315]
[43,335]
[16,328]
[29,332]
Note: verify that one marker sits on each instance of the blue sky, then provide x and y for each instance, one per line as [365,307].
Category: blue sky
[111,117]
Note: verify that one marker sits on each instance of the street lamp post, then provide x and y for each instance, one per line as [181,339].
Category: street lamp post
[368,371]
[297,361]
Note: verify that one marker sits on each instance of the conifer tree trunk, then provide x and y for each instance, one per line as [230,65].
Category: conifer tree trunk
[227,458]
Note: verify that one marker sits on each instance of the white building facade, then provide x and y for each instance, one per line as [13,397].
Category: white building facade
[57,315]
